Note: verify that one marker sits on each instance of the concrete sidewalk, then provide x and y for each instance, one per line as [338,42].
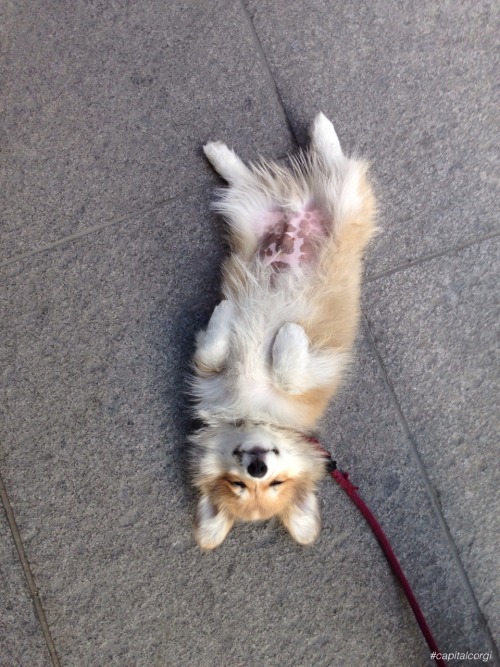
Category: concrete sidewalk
[110,263]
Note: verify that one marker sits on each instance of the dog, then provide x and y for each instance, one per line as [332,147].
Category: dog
[276,346]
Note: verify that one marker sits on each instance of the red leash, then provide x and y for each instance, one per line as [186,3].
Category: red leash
[342,479]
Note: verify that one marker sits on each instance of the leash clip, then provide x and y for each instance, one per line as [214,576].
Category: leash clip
[331,465]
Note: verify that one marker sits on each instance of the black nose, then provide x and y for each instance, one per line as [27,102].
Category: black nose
[257,468]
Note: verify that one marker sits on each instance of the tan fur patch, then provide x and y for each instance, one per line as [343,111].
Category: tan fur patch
[259,501]
[312,404]
[334,293]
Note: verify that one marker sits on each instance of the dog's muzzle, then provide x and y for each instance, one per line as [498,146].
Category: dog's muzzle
[254,460]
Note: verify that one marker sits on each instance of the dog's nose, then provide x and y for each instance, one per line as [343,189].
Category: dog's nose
[257,468]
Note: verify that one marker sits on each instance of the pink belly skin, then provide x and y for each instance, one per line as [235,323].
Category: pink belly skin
[290,240]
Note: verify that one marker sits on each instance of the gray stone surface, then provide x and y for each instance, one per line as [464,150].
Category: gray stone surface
[93,452]
[362,431]
[106,106]
[412,86]
[21,639]
[436,326]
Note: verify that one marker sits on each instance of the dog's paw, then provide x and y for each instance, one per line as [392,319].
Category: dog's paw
[213,343]
[325,140]
[214,150]
[290,356]
[226,162]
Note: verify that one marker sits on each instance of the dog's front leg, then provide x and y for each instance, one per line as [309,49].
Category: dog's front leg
[212,345]
[297,367]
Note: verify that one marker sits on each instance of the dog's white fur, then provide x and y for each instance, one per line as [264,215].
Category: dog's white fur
[274,350]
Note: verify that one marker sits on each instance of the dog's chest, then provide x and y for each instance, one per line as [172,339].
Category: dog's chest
[290,239]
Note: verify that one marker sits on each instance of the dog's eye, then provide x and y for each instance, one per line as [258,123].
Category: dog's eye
[275,451]
[240,484]
[276,483]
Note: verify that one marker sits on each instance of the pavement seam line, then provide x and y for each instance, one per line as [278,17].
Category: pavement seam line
[209,187]
[97,228]
[436,505]
[39,611]
[388,272]
[425,258]
[267,67]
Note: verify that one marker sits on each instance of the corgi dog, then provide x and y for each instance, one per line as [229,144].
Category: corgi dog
[276,346]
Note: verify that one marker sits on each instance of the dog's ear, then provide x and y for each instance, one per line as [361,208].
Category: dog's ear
[211,524]
[302,519]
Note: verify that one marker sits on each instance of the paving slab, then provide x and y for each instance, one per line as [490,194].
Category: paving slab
[436,327]
[97,335]
[21,639]
[365,436]
[411,86]
[105,107]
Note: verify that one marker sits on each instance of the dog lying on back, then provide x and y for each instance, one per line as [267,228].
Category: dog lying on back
[275,347]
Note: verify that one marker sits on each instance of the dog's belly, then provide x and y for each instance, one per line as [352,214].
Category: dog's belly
[290,239]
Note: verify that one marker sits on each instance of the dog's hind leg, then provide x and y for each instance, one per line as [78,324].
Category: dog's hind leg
[227,163]
[325,142]
[244,203]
